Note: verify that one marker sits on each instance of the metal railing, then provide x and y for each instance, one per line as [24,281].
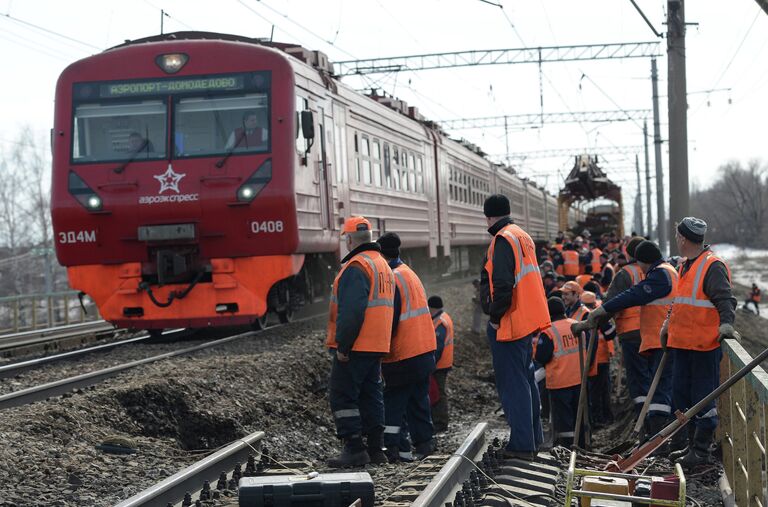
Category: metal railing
[742,430]
[35,311]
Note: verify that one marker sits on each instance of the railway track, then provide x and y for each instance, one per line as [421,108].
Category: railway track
[55,338]
[66,385]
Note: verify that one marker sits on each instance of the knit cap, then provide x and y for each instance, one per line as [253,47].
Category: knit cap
[692,228]
[496,205]
[647,252]
[390,245]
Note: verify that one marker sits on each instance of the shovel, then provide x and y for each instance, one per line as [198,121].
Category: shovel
[582,412]
[624,465]
[628,444]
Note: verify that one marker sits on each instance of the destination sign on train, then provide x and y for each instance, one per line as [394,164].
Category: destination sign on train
[171,86]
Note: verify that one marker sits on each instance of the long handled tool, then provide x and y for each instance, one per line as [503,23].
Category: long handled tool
[624,465]
[628,444]
[582,411]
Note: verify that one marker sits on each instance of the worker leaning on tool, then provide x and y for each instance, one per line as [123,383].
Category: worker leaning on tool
[702,315]
[360,324]
[628,327]
[443,324]
[654,295]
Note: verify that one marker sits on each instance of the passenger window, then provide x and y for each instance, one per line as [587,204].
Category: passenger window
[376,163]
[419,176]
[365,153]
[387,167]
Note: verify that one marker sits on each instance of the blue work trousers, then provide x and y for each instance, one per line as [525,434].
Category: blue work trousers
[356,397]
[697,374]
[640,371]
[519,395]
[565,405]
[661,403]
[406,410]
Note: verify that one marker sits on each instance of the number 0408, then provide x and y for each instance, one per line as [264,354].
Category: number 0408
[267,226]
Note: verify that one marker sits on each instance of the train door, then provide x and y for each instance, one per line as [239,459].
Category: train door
[324,171]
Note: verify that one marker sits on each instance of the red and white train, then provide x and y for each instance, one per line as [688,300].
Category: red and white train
[201,179]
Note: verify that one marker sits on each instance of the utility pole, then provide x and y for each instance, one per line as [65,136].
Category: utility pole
[639,200]
[649,231]
[506,138]
[678,117]
[661,233]
[162,16]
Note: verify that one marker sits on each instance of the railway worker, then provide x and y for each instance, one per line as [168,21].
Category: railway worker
[557,260]
[594,259]
[250,135]
[584,279]
[558,350]
[409,364]
[653,295]
[550,282]
[607,272]
[443,325]
[702,316]
[600,386]
[753,296]
[518,313]
[570,261]
[359,332]
[560,282]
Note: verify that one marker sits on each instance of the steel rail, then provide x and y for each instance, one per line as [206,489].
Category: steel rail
[448,481]
[11,369]
[63,386]
[172,489]
[25,338]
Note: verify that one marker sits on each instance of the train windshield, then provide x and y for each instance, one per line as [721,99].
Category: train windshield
[122,131]
[206,126]
[213,115]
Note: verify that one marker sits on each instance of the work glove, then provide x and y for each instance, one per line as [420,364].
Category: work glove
[580,327]
[597,317]
[664,335]
[728,332]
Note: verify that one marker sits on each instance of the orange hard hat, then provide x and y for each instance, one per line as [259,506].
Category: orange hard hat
[572,287]
[588,297]
[355,224]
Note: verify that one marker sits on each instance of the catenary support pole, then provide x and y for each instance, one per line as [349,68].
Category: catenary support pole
[639,200]
[661,231]
[678,116]
[649,214]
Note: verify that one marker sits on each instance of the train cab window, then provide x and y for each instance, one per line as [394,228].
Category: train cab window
[365,154]
[124,131]
[376,163]
[207,126]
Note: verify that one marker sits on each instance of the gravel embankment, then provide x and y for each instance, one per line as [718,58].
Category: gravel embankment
[274,382]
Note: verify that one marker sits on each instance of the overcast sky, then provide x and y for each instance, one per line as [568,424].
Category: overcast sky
[727,49]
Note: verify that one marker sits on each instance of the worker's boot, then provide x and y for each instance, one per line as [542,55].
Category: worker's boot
[424,449]
[680,443]
[375,445]
[352,455]
[699,453]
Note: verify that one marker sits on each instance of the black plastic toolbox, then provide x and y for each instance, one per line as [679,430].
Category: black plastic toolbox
[323,490]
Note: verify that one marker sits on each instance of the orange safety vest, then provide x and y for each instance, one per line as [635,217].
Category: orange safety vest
[559,269]
[694,321]
[653,314]
[629,320]
[578,316]
[376,332]
[528,312]
[604,347]
[559,247]
[608,267]
[570,263]
[755,296]
[583,280]
[596,265]
[563,370]
[446,359]
[415,334]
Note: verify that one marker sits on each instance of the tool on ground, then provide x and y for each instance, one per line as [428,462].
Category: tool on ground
[582,412]
[632,440]
[630,462]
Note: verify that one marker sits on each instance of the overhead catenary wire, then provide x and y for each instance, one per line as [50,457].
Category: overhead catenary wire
[49,31]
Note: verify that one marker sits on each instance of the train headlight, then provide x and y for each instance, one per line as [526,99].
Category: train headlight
[84,194]
[255,182]
[94,202]
[172,62]
[245,193]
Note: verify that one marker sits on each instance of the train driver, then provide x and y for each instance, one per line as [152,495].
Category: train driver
[250,135]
